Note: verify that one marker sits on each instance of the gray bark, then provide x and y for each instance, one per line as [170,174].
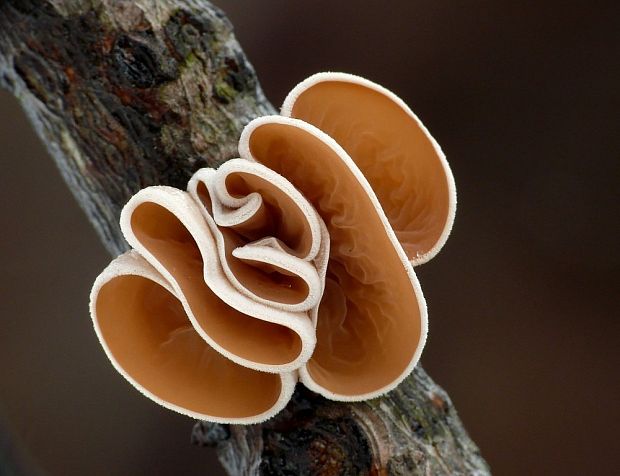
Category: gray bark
[127,94]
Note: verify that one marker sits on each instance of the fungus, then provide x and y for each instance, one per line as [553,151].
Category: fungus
[291,263]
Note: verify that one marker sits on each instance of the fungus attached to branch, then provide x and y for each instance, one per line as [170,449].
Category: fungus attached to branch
[293,262]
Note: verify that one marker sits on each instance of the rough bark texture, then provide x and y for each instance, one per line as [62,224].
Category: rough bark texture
[414,430]
[127,94]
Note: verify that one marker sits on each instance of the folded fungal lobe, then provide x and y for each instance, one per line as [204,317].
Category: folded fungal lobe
[212,313]
[400,159]
[293,262]
[372,321]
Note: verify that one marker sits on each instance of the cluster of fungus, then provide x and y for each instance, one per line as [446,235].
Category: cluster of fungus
[291,263]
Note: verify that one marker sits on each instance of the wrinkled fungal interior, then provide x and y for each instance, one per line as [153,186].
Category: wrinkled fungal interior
[369,322]
[393,152]
[163,234]
[157,346]
[265,280]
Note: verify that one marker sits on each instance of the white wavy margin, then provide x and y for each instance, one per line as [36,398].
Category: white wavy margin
[127,264]
[305,378]
[187,211]
[132,264]
[287,109]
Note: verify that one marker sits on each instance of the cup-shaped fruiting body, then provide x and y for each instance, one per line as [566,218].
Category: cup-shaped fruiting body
[293,262]
[400,159]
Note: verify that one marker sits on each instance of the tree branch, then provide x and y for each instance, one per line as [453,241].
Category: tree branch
[127,94]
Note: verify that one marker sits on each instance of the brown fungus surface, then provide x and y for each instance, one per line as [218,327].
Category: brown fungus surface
[371,321]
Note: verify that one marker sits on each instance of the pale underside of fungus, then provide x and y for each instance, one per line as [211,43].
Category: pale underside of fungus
[291,263]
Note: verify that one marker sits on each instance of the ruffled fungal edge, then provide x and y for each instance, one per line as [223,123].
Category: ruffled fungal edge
[287,109]
[132,264]
[185,209]
[305,378]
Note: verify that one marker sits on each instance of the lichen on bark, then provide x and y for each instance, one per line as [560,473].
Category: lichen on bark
[127,94]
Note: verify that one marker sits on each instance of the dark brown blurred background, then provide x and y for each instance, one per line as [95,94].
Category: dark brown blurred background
[523,300]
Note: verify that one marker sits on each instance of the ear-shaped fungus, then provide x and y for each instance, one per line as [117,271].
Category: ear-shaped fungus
[293,262]
[402,162]
[143,328]
[204,314]
[372,320]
